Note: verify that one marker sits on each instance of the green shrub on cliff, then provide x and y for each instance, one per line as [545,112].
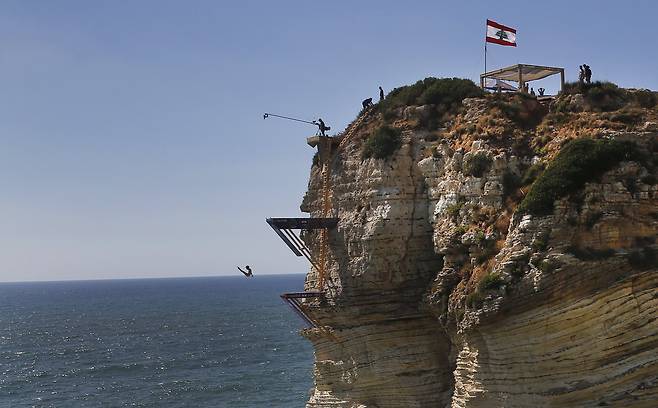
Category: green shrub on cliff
[645,98]
[510,183]
[445,91]
[579,162]
[490,281]
[449,91]
[532,173]
[477,164]
[603,96]
[522,109]
[382,143]
[453,210]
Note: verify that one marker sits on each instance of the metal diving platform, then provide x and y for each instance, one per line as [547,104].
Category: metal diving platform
[284,226]
[296,299]
[284,229]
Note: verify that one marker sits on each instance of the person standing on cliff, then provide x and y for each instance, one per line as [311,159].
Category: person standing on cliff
[581,76]
[588,74]
[381,94]
[321,126]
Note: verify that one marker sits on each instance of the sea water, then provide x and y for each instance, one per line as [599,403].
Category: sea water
[189,342]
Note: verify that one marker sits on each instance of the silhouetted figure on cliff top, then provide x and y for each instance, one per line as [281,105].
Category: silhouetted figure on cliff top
[366,103]
[588,73]
[321,126]
[381,94]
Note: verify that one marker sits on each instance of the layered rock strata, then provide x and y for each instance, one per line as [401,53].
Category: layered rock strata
[441,294]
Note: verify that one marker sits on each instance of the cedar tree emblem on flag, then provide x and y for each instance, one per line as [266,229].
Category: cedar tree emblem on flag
[500,34]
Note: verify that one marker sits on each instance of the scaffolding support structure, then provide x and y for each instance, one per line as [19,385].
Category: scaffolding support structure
[295,299]
[284,226]
[325,144]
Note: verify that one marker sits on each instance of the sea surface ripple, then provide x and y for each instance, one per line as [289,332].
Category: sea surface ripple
[188,342]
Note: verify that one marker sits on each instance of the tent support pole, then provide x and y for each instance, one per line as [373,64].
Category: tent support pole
[520,78]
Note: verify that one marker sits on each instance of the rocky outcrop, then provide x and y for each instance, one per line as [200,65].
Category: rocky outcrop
[441,293]
[382,347]
[581,348]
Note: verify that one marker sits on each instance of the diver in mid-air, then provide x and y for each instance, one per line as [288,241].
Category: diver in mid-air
[246,273]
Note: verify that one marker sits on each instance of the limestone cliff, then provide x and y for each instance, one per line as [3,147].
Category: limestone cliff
[502,254]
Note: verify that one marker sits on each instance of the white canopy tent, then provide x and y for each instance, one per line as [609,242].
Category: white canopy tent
[522,73]
[497,84]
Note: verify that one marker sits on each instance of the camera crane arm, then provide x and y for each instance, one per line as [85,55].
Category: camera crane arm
[267,115]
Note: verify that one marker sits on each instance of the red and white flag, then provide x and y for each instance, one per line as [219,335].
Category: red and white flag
[500,34]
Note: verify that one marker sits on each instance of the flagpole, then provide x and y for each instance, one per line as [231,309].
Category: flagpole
[485,54]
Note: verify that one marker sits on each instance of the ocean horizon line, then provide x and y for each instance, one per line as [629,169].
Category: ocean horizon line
[236,276]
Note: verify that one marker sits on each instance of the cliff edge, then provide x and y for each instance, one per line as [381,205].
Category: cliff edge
[491,251]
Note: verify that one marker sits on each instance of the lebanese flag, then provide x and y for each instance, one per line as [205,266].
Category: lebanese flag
[500,34]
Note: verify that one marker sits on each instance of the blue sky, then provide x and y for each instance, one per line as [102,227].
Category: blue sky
[132,142]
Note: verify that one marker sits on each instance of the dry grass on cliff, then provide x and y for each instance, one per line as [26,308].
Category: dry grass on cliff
[611,109]
[519,122]
[606,96]
[438,101]
[510,121]
[505,121]
[558,128]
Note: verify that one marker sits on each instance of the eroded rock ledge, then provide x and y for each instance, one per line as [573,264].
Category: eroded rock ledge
[442,293]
